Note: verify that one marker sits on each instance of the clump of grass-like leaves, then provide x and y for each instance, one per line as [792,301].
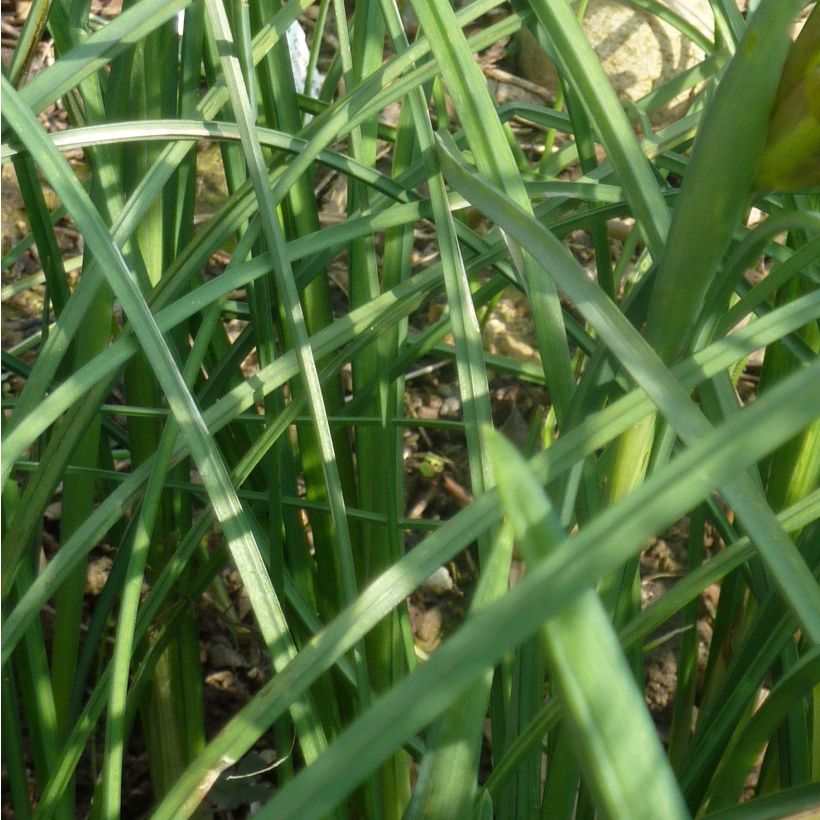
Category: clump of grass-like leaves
[135,406]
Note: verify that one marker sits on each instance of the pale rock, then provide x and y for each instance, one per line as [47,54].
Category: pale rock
[438,582]
[638,51]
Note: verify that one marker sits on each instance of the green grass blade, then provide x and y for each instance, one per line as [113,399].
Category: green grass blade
[582,68]
[745,749]
[489,144]
[622,758]
[491,148]
[609,539]
[292,306]
[782,559]
[651,619]
[718,182]
[787,803]
[97,50]
[222,494]
[132,591]
[662,12]
[580,442]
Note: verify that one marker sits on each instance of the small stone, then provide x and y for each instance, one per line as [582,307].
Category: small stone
[450,407]
[96,574]
[438,582]
[638,51]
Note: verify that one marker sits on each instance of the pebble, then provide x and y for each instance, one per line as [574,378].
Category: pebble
[439,582]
